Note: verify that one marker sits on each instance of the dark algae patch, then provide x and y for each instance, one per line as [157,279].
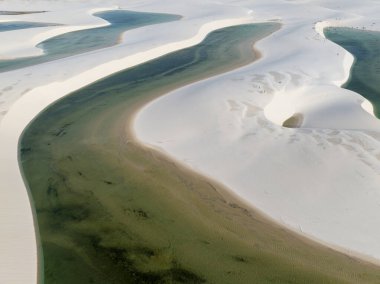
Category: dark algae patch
[112,211]
[123,266]
[13,13]
[365,72]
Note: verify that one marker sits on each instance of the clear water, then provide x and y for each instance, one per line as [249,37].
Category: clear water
[102,203]
[365,73]
[11,26]
[87,40]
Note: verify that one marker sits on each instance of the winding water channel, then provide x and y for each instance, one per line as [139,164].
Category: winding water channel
[112,211]
[82,41]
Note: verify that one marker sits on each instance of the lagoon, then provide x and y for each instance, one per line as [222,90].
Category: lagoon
[364,45]
[82,41]
[109,210]
[11,26]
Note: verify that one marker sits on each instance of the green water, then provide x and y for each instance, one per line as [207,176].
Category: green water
[11,26]
[112,211]
[77,42]
[365,73]
[98,218]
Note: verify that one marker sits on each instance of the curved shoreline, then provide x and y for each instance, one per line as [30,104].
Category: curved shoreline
[240,60]
[334,120]
[229,192]
[348,60]
[31,50]
[70,44]
[23,112]
[96,132]
[364,72]
[348,63]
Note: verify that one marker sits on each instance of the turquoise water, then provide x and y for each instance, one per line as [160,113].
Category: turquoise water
[365,73]
[91,39]
[94,195]
[11,26]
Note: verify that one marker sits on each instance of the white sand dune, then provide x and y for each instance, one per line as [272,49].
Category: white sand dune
[27,91]
[322,180]
[23,43]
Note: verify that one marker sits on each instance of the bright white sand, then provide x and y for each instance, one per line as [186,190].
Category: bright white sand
[322,181]
[27,91]
[23,43]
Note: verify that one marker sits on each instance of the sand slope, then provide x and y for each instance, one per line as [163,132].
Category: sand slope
[25,92]
[322,180]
